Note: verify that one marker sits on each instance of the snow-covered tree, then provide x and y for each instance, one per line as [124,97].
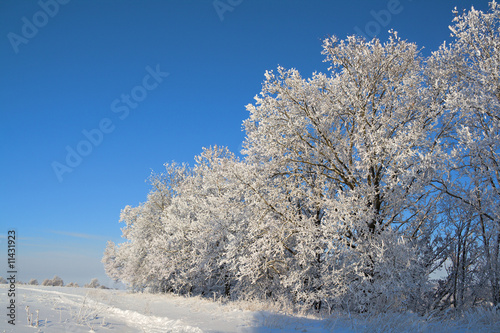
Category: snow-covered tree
[94,283]
[57,281]
[199,226]
[467,73]
[132,261]
[349,157]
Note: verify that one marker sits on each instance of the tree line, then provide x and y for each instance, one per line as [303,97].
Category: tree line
[372,187]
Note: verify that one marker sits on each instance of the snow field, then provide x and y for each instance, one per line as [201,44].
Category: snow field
[63,309]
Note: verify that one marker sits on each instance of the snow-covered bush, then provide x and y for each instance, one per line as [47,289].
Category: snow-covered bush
[94,283]
[2,280]
[56,281]
[33,282]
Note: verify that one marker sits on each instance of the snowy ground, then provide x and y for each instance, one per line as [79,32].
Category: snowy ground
[62,309]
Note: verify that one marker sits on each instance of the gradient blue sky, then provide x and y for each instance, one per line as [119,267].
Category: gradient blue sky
[63,79]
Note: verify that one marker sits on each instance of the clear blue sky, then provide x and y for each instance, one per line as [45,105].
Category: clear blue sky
[69,69]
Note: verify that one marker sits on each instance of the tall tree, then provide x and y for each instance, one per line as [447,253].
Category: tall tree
[356,151]
[469,72]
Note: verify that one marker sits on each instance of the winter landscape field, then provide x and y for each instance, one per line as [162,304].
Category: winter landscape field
[362,194]
[68,309]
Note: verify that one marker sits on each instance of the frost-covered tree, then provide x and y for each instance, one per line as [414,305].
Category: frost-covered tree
[178,239]
[465,283]
[200,224]
[132,261]
[467,73]
[33,282]
[57,281]
[94,283]
[349,157]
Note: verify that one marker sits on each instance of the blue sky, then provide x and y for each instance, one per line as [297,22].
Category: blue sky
[90,78]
